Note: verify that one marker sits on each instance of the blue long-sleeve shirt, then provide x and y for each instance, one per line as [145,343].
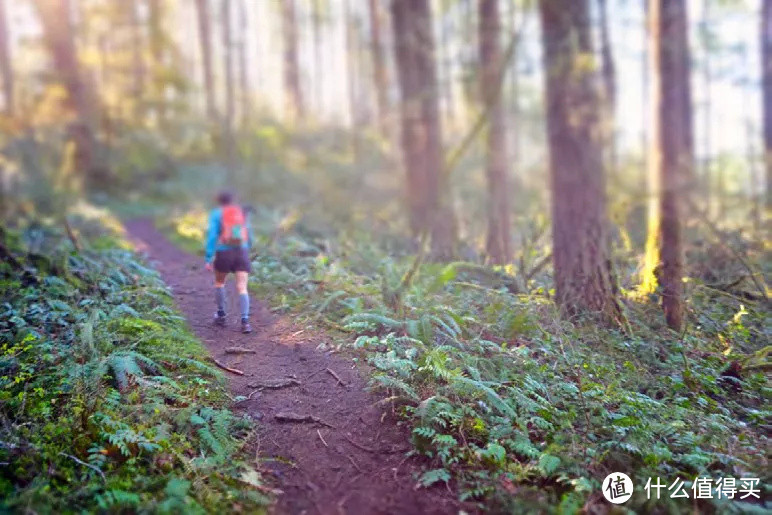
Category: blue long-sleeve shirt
[213,234]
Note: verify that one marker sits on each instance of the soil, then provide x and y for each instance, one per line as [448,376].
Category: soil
[328,445]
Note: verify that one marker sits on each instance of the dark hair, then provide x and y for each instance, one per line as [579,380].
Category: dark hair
[224,198]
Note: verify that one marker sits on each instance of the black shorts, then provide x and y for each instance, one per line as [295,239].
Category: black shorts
[232,260]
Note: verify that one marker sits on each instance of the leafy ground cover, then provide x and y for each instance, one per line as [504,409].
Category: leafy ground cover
[522,408]
[106,401]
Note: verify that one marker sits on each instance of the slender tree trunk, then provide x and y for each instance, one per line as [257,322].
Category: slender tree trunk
[138,64]
[582,261]
[5,61]
[674,139]
[427,189]
[351,71]
[318,59]
[766,73]
[205,37]
[708,122]
[498,244]
[380,79]
[55,17]
[609,85]
[514,93]
[157,45]
[244,99]
[295,105]
[229,89]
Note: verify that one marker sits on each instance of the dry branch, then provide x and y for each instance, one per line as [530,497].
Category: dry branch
[333,374]
[229,369]
[288,416]
[275,386]
[239,350]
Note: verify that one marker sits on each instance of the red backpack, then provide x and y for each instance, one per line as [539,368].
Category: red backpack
[233,230]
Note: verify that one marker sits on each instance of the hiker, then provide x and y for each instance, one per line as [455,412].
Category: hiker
[228,241]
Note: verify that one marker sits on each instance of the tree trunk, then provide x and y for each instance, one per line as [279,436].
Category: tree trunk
[243,76]
[673,136]
[157,45]
[766,63]
[498,244]
[138,64]
[318,59]
[205,37]
[295,105]
[379,68]
[583,274]
[428,199]
[59,38]
[609,85]
[351,73]
[228,142]
[5,61]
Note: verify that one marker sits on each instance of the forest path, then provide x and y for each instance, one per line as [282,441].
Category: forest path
[317,467]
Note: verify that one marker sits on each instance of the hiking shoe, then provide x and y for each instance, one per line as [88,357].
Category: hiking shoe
[219,320]
[245,327]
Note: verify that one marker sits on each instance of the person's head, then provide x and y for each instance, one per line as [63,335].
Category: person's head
[225,198]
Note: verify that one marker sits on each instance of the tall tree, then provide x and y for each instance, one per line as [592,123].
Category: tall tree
[672,158]
[5,61]
[229,146]
[138,64]
[498,244]
[55,17]
[581,257]
[157,54]
[609,83]
[243,76]
[766,73]
[427,188]
[380,78]
[293,91]
[205,37]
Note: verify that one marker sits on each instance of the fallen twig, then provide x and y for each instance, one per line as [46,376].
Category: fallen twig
[226,367]
[360,446]
[288,416]
[333,374]
[275,386]
[321,438]
[89,465]
[354,463]
[239,350]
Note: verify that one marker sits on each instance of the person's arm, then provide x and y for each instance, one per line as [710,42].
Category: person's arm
[211,235]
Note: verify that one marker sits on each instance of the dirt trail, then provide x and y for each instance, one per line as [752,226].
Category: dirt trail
[317,467]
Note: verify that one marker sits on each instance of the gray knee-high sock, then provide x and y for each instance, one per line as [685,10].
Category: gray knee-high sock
[219,296]
[244,305]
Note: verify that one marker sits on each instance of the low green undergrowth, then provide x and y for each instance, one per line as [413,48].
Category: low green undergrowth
[524,409]
[106,402]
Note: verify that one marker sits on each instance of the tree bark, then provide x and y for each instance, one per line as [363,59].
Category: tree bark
[138,64]
[380,78]
[5,61]
[205,37]
[157,46]
[674,162]
[229,147]
[244,99]
[293,91]
[583,275]
[427,189]
[498,244]
[766,73]
[609,85]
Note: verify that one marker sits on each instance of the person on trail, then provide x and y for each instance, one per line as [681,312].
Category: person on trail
[228,241]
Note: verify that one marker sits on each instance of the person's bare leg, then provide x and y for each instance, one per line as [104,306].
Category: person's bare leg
[242,278]
[219,296]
